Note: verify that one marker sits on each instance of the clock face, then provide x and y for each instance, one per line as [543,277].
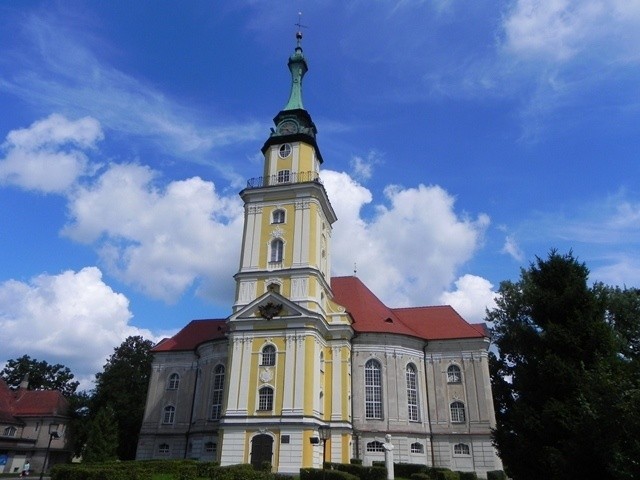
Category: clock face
[287,128]
[285,150]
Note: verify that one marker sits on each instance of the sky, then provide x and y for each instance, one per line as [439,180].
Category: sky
[460,141]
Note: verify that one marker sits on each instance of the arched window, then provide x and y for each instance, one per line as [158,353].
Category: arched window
[461,449]
[265,399]
[278,216]
[169,415]
[412,393]
[10,431]
[373,389]
[268,357]
[274,287]
[277,250]
[174,381]
[218,388]
[454,375]
[375,446]
[163,448]
[417,447]
[457,412]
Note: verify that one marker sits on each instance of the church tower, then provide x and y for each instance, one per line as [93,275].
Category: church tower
[288,383]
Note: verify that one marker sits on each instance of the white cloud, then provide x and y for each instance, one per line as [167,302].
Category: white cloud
[58,70]
[73,318]
[472,296]
[160,240]
[511,248]
[48,156]
[410,252]
[558,30]
[362,168]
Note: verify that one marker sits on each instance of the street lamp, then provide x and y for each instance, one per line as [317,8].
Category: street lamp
[53,433]
[325,434]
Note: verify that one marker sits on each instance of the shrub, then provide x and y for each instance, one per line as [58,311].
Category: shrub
[420,476]
[355,461]
[405,470]
[468,475]
[319,474]
[496,475]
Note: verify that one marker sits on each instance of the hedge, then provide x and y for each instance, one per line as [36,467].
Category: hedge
[496,475]
[405,470]
[320,474]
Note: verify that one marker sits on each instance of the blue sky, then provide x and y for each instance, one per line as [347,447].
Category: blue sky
[461,139]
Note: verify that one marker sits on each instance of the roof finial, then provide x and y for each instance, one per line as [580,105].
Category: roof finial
[355,269]
[300,27]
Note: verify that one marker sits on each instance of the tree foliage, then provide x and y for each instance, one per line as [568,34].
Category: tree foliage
[566,380]
[42,376]
[122,385]
[102,439]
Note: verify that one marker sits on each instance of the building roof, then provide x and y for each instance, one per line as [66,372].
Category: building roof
[192,335]
[370,315]
[15,404]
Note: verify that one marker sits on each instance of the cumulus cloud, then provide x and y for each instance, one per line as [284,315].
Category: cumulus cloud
[72,318]
[48,156]
[411,250]
[161,239]
[471,298]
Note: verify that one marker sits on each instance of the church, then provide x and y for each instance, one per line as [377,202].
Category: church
[309,367]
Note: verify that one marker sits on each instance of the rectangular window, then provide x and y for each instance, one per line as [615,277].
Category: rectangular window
[285,439]
[283,176]
[373,390]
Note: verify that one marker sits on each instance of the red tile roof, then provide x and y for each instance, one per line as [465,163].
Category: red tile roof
[192,335]
[370,315]
[30,403]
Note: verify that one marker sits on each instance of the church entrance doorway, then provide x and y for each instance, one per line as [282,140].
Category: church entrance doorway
[261,450]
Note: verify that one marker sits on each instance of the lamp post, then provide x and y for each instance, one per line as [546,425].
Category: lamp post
[53,433]
[325,433]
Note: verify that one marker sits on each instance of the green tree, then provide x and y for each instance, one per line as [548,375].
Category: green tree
[122,385]
[564,391]
[102,439]
[42,376]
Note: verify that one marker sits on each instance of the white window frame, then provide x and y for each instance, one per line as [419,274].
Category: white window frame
[265,399]
[375,447]
[164,449]
[278,216]
[277,250]
[454,374]
[417,447]
[268,356]
[174,382]
[217,393]
[284,176]
[168,415]
[413,408]
[461,449]
[458,412]
[373,390]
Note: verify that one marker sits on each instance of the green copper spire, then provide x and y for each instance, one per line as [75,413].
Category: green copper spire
[298,67]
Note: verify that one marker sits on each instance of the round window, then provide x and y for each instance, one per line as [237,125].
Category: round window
[285,150]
